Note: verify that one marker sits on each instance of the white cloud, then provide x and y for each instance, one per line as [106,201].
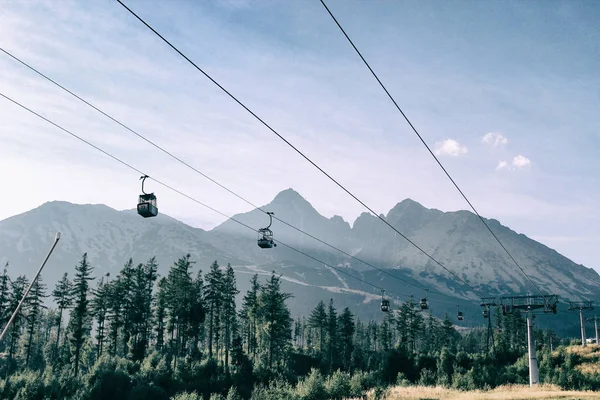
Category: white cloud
[521,162]
[501,165]
[494,139]
[450,147]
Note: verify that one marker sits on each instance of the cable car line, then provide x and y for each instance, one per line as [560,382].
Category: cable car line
[188,196]
[183,162]
[298,150]
[427,147]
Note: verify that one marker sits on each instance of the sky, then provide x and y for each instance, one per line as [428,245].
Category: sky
[506,93]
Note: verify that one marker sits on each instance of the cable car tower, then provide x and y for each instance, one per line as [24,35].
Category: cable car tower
[265,235]
[581,306]
[147,202]
[530,303]
[486,303]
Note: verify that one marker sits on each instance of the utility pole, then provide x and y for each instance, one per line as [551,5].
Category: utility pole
[595,319]
[530,303]
[581,306]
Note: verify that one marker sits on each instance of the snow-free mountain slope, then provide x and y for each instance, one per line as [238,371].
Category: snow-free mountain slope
[456,239]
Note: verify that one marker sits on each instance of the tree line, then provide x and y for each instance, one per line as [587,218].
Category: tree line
[140,335]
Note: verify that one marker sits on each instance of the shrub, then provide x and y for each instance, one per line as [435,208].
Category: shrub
[312,387]
[233,394]
[337,385]
[463,381]
[360,382]
[277,390]
[427,377]
[401,380]
[187,396]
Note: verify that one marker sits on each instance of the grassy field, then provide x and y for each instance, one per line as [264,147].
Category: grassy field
[514,392]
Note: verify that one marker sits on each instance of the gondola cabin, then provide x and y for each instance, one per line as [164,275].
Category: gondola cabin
[460,316]
[423,304]
[147,205]
[486,314]
[265,239]
[385,305]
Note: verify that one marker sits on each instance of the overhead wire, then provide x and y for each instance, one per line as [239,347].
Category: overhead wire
[429,149]
[430,257]
[188,165]
[128,165]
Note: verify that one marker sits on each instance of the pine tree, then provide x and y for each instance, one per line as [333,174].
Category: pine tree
[249,314]
[33,305]
[332,336]
[63,298]
[125,281]
[214,298]
[17,289]
[4,300]
[161,312]
[79,324]
[99,309]
[179,302]
[198,313]
[346,331]
[229,293]
[318,321]
[275,320]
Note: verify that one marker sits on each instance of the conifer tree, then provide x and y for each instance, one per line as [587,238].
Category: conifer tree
[198,313]
[99,309]
[332,336]
[214,298]
[275,321]
[249,315]
[33,305]
[17,289]
[79,324]
[161,313]
[63,298]
[318,321]
[346,332]
[4,300]
[229,293]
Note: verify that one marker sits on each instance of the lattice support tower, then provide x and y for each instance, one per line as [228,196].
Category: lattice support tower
[487,303]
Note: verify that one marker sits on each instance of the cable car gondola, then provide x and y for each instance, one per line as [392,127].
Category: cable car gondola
[423,302]
[147,202]
[265,235]
[385,304]
[486,313]
[459,314]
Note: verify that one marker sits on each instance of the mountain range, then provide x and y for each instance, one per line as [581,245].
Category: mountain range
[456,239]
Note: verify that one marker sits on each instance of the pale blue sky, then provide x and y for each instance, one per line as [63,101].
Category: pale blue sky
[528,72]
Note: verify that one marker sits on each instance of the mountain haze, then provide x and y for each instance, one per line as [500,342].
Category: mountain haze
[456,239]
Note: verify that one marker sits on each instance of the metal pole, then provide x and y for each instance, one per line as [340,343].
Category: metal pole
[14,314]
[582,327]
[596,328]
[534,375]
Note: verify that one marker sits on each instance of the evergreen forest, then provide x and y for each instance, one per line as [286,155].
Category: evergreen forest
[138,335]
